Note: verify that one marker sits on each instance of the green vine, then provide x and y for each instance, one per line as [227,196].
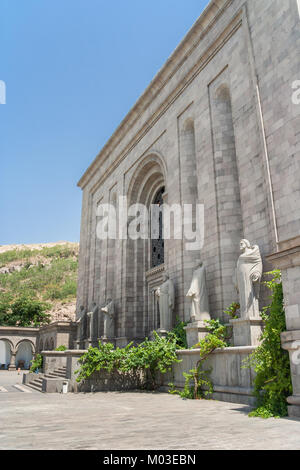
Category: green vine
[61,348]
[272,383]
[36,363]
[145,360]
[180,334]
[197,381]
[232,310]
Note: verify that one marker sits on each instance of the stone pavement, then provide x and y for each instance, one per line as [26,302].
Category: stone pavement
[11,382]
[135,421]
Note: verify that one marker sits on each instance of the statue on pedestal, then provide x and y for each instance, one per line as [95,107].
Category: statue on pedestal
[109,320]
[80,324]
[198,295]
[166,300]
[91,316]
[249,273]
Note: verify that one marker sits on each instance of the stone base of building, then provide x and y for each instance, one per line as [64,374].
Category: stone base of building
[121,342]
[294,411]
[247,332]
[11,367]
[231,382]
[294,406]
[195,332]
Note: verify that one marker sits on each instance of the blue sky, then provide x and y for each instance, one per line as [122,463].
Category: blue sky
[73,69]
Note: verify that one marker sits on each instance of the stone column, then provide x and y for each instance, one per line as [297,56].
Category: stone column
[288,261]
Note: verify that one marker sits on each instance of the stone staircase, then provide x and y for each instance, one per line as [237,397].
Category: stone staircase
[37,382]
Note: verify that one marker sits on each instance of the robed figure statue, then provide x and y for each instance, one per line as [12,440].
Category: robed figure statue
[249,273]
[198,295]
[166,300]
[109,320]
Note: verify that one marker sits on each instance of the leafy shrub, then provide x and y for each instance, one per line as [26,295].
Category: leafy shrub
[148,358]
[36,363]
[271,363]
[197,382]
[61,348]
[180,334]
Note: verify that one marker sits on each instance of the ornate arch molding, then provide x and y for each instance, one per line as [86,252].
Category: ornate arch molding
[149,175]
[25,340]
[12,347]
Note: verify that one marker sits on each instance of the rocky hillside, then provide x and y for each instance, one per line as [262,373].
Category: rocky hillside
[47,272]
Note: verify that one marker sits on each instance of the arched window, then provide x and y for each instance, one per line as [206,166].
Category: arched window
[157,244]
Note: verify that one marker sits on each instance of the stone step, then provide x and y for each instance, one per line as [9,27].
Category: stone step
[38,381]
[54,375]
[37,387]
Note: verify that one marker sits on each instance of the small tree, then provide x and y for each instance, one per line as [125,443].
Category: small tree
[25,312]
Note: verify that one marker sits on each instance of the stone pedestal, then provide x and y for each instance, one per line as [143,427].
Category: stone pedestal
[288,261]
[195,332]
[291,342]
[77,344]
[247,332]
[87,343]
[12,365]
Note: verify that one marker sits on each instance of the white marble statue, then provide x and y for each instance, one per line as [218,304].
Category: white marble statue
[198,295]
[109,320]
[166,299]
[249,273]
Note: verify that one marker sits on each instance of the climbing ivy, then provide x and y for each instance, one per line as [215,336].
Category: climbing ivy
[197,381]
[270,362]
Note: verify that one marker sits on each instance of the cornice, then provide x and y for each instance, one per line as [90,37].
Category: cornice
[198,31]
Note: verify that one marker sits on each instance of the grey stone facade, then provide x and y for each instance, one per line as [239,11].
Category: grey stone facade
[216,126]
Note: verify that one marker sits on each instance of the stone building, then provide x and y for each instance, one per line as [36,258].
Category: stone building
[219,125]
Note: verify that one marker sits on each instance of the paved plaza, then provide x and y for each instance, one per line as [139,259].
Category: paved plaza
[132,421]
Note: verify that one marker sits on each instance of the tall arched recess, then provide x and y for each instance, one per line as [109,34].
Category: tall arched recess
[228,199]
[147,184]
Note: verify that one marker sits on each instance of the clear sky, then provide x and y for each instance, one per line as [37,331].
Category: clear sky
[73,69]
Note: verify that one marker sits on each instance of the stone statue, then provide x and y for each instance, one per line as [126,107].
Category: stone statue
[249,273]
[80,323]
[109,320]
[198,295]
[91,316]
[166,299]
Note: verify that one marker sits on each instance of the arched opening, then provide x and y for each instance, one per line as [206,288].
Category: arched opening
[157,244]
[24,355]
[147,187]
[5,354]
